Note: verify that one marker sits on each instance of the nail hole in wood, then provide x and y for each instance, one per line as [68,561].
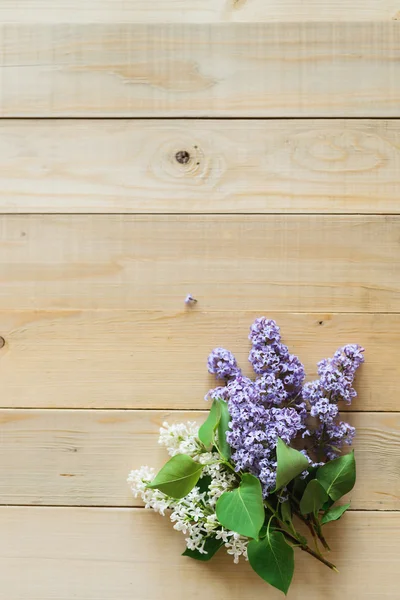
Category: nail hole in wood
[182,157]
[2,342]
[320,322]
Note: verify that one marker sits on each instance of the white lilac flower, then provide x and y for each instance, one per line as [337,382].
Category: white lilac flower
[236,545]
[180,438]
[194,515]
[154,499]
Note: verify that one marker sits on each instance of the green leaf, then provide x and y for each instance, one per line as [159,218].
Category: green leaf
[242,510]
[207,430]
[291,463]
[286,512]
[211,546]
[299,485]
[223,427]
[334,513]
[328,504]
[338,476]
[177,477]
[313,498]
[204,483]
[273,560]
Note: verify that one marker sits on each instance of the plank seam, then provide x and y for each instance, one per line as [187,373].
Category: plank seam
[202,118]
[164,409]
[141,508]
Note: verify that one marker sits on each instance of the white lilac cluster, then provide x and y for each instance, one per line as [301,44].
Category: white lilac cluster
[194,515]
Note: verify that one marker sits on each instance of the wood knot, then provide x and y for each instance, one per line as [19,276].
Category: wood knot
[2,342]
[182,157]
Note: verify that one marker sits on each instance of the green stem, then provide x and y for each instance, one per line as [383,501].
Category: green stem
[295,539]
[320,534]
[314,554]
[311,523]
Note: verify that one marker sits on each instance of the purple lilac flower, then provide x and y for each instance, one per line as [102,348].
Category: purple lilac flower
[334,384]
[255,427]
[218,393]
[264,331]
[190,300]
[324,410]
[275,404]
[222,364]
[269,356]
[333,437]
[264,359]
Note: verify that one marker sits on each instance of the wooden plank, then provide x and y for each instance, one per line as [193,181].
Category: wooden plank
[334,166]
[284,263]
[83,457]
[134,555]
[145,359]
[195,11]
[182,69]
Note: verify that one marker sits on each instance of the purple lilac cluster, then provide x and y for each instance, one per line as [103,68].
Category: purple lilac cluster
[275,404]
[264,409]
[335,383]
[222,364]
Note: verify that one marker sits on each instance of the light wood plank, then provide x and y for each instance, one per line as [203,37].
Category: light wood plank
[195,11]
[246,70]
[103,554]
[336,166]
[154,359]
[285,263]
[83,457]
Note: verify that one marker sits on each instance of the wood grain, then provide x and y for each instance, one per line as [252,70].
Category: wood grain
[84,457]
[132,554]
[154,359]
[195,11]
[182,69]
[285,263]
[334,166]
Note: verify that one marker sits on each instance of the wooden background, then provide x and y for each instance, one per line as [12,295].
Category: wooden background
[288,205]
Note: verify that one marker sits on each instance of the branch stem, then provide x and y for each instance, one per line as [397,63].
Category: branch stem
[314,554]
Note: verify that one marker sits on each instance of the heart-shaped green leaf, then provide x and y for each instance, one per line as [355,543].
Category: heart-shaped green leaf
[273,560]
[242,510]
[333,514]
[338,476]
[291,463]
[313,498]
[211,546]
[223,427]
[207,430]
[177,477]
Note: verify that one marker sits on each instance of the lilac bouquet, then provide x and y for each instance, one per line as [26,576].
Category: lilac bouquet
[267,457]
